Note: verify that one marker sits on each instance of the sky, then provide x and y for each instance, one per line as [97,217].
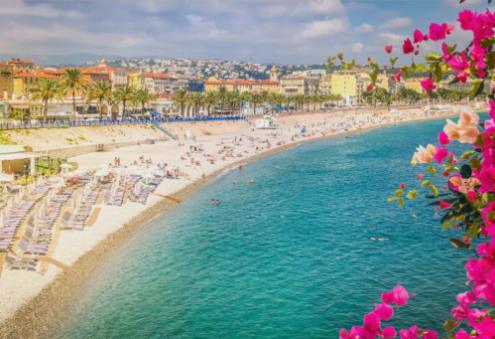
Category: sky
[265,31]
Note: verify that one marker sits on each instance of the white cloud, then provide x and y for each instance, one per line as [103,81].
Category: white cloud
[19,8]
[204,27]
[357,47]
[300,8]
[396,23]
[323,28]
[392,38]
[364,28]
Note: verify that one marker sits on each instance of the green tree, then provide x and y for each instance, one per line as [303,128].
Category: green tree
[73,82]
[143,96]
[46,90]
[180,99]
[210,100]
[99,91]
[125,94]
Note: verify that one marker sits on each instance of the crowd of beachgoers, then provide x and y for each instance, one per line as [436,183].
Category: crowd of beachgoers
[47,226]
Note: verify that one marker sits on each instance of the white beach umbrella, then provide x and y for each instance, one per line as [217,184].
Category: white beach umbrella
[5,177]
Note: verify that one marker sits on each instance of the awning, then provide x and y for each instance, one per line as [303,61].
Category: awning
[17,156]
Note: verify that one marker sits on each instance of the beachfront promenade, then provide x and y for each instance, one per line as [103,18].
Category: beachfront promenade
[107,122]
[47,226]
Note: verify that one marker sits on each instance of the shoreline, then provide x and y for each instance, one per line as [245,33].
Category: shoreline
[41,316]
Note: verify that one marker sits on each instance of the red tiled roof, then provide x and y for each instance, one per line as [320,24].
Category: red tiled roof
[17,61]
[158,75]
[242,82]
[37,73]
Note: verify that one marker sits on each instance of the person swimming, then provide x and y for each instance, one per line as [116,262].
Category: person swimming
[215,202]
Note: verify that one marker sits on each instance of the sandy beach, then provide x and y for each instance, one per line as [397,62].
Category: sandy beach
[32,299]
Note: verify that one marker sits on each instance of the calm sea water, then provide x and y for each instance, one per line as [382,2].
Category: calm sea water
[289,256]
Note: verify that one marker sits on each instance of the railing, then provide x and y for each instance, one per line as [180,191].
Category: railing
[27,125]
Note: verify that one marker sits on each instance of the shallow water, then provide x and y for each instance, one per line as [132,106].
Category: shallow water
[305,250]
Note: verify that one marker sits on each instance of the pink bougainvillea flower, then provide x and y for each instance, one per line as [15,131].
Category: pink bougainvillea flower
[462,334]
[437,32]
[462,77]
[388,49]
[428,85]
[389,332]
[384,311]
[444,205]
[407,46]
[471,196]
[440,154]
[397,76]
[491,104]
[429,334]
[419,36]
[398,296]
[423,155]
[443,138]
[459,62]
[371,322]
[466,18]
[409,333]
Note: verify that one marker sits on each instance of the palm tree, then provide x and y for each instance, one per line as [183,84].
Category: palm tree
[100,91]
[125,94]
[222,96]
[143,96]
[46,90]
[180,99]
[196,101]
[210,100]
[73,82]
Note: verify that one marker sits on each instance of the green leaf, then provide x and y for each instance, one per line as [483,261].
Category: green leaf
[475,163]
[398,193]
[467,154]
[433,57]
[391,199]
[340,56]
[449,325]
[477,88]
[393,61]
[488,42]
[434,190]
[446,226]
[412,195]
[401,202]
[426,183]
[432,170]
[459,243]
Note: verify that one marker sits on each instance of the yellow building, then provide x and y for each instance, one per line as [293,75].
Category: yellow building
[6,81]
[326,85]
[345,85]
[242,86]
[136,80]
[414,84]
[26,80]
[296,84]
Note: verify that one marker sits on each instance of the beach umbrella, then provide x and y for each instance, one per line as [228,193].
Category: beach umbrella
[5,177]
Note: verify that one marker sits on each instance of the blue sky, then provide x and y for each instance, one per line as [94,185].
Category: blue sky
[267,31]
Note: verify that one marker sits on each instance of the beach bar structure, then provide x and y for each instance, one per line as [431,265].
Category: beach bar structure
[15,159]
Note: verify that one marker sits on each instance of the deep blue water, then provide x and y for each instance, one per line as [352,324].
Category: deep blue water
[289,256]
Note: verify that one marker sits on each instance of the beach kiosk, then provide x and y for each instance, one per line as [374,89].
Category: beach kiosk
[266,123]
[16,159]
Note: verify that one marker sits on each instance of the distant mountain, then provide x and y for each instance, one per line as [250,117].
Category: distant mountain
[74,59]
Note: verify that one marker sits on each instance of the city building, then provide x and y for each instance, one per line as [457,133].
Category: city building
[21,64]
[157,83]
[6,81]
[299,84]
[242,85]
[25,80]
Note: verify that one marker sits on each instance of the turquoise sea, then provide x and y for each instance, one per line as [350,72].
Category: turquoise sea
[290,256]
